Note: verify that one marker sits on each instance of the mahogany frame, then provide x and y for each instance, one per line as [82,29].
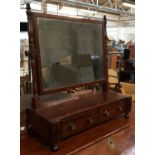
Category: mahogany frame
[36,61]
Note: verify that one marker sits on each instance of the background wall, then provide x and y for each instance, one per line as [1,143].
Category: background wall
[124,33]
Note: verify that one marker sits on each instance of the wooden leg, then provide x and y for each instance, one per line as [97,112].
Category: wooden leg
[54,147]
[28,122]
[126,115]
[29,130]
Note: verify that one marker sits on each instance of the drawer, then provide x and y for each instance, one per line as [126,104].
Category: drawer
[113,110]
[78,123]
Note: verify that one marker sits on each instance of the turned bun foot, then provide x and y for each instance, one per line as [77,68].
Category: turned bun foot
[126,115]
[30,131]
[54,147]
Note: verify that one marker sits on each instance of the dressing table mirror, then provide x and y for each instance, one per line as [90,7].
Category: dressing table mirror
[68,53]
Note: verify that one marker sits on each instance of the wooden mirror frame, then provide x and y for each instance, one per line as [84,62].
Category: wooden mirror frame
[35,54]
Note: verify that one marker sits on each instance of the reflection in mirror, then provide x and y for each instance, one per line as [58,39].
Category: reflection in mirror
[71,52]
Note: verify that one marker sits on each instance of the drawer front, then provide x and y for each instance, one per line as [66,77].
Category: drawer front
[76,124]
[113,110]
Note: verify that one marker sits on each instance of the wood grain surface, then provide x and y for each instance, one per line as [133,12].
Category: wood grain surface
[96,141]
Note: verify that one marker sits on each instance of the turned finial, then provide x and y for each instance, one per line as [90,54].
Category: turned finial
[105,19]
[28,7]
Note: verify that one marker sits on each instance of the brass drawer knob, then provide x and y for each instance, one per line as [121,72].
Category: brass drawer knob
[119,109]
[72,126]
[90,120]
[106,113]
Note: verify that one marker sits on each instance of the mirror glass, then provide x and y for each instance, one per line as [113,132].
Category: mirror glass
[71,52]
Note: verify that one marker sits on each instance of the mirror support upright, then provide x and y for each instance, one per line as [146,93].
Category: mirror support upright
[32,48]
